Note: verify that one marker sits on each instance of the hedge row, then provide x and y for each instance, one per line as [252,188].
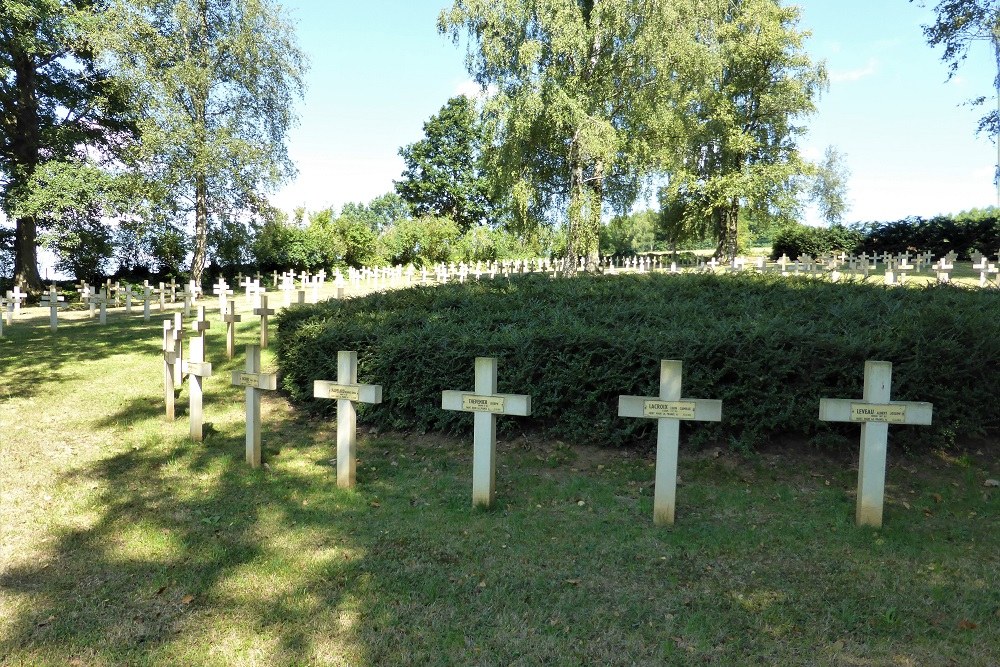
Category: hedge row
[963,235]
[768,347]
[815,241]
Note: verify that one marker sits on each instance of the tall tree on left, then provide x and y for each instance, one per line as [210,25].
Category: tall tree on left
[57,103]
[219,79]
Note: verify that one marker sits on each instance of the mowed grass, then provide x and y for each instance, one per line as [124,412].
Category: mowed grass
[123,542]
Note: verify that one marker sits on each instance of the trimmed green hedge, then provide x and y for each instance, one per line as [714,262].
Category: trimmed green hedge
[768,347]
[815,241]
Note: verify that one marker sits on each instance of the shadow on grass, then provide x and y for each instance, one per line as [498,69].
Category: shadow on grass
[133,581]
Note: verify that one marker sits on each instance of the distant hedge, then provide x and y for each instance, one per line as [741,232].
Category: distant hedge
[814,241]
[768,347]
[963,234]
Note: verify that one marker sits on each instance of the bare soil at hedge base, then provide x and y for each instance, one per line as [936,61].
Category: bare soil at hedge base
[769,347]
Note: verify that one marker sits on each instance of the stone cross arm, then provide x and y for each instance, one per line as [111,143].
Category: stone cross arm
[361,393]
[199,368]
[498,404]
[913,413]
[686,409]
[267,381]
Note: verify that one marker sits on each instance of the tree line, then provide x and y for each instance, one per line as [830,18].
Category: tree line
[168,118]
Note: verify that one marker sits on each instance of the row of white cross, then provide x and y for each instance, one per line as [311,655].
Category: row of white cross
[874,412]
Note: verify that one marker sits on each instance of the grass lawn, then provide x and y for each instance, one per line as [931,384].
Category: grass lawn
[123,542]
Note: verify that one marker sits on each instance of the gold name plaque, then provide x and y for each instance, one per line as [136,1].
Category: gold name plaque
[890,414]
[343,392]
[473,403]
[668,409]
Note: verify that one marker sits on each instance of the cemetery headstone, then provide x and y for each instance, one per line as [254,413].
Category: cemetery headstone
[874,412]
[254,382]
[197,369]
[53,301]
[169,366]
[346,391]
[669,409]
[486,403]
[231,318]
[263,311]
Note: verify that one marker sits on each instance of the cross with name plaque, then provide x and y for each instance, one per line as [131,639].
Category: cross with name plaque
[486,403]
[169,367]
[231,319]
[346,391]
[53,301]
[874,412]
[197,369]
[179,348]
[147,293]
[254,381]
[16,296]
[263,311]
[221,289]
[669,410]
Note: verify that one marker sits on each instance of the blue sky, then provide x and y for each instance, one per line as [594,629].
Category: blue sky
[379,69]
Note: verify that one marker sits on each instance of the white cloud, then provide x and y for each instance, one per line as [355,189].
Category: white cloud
[870,68]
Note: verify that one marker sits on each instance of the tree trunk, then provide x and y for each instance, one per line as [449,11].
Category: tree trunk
[26,255]
[728,231]
[26,153]
[200,228]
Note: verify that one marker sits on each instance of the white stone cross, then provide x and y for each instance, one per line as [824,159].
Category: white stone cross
[173,290]
[201,323]
[943,268]
[128,299]
[669,409]
[16,296]
[254,381]
[162,293]
[263,311]
[147,292]
[170,360]
[346,391]
[874,412]
[53,301]
[9,312]
[179,349]
[221,289]
[288,286]
[101,299]
[197,369]
[231,318]
[486,403]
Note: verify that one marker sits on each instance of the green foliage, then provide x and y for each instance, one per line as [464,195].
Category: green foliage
[964,233]
[630,234]
[583,104]
[58,102]
[738,147]
[444,170]
[767,347]
[959,24]
[217,80]
[828,189]
[814,241]
[420,241]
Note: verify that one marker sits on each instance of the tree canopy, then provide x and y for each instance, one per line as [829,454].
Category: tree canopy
[218,80]
[444,173]
[59,104]
[586,94]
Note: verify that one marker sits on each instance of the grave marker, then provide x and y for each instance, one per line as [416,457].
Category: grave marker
[147,293]
[874,412]
[15,297]
[254,381]
[669,409]
[221,289]
[197,369]
[347,392]
[231,318]
[53,302]
[486,403]
[179,349]
[263,311]
[169,365]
